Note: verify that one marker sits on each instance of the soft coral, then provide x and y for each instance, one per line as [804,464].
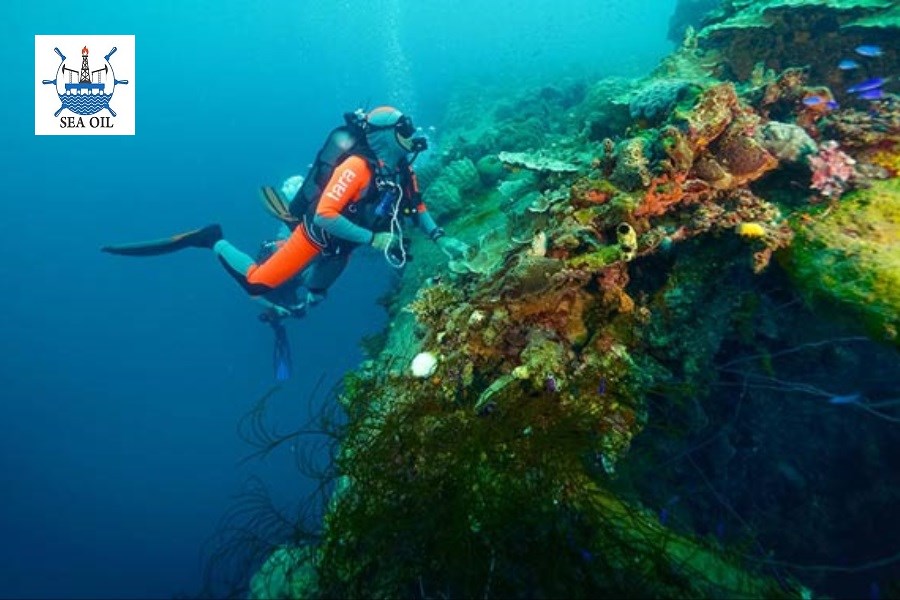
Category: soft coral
[831,170]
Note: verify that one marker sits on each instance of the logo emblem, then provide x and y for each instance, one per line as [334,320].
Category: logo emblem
[84,85]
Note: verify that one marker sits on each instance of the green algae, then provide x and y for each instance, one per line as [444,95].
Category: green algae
[440,499]
[848,259]
[287,573]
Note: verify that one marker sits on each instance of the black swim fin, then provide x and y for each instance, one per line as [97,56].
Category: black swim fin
[205,237]
[277,207]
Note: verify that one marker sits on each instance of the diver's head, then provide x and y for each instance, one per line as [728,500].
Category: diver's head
[390,135]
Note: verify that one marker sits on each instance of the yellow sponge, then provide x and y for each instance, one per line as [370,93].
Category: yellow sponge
[750,230]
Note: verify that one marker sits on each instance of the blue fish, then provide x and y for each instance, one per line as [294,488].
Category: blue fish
[868,50]
[864,86]
[832,105]
[875,94]
[601,388]
[845,399]
[813,100]
[848,65]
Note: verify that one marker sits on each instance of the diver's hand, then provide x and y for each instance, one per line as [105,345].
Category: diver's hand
[281,312]
[382,240]
[453,248]
[298,311]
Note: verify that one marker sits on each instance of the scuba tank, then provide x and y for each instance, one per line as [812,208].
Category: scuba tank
[340,143]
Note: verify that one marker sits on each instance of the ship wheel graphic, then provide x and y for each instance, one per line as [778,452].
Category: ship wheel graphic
[84,91]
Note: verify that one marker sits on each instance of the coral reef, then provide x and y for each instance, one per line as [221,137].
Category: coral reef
[831,170]
[632,164]
[536,162]
[652,102]
[287,573]
[623,285]
[450,192]
[790,33]
[849,258]
[786,142]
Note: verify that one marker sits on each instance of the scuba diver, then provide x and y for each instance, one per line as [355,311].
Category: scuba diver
[357,191]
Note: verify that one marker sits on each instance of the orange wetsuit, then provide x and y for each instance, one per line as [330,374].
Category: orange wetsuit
[351,182]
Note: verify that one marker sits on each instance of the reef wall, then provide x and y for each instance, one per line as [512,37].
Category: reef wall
[641,249]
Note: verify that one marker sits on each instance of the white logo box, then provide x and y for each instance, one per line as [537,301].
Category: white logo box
[74,96]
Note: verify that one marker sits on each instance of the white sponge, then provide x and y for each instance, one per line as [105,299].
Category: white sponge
[424,364]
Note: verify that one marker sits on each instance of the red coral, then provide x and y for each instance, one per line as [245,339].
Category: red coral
[665,191]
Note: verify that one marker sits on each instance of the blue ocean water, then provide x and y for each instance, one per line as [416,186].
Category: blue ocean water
[122,380]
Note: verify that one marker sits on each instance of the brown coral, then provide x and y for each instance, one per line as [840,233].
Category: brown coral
[708,170]
[741,156]
[711,115]
[632,169]
[878,125]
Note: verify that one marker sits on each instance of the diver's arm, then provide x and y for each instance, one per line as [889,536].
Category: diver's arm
[346,185]
[452,247]
[414,198]
[427,224]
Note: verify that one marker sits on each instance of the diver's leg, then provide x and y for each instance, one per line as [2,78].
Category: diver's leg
[257,279]
[235,259]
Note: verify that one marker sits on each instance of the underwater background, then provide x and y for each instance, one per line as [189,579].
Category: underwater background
[677,342]
[122,382]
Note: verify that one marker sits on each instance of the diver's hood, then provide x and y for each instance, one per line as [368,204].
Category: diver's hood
[387,148]
[384,136]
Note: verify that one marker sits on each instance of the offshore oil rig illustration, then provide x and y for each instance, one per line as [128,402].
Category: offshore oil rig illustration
[86,77]
[85,96]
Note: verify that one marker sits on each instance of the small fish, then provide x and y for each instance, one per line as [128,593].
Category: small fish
[813,100]
[848,65]
[868,50]
[875,94]
[601,389]
[865,86]
[845,399]
[832,105]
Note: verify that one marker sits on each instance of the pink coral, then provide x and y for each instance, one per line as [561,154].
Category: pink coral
[831,170]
